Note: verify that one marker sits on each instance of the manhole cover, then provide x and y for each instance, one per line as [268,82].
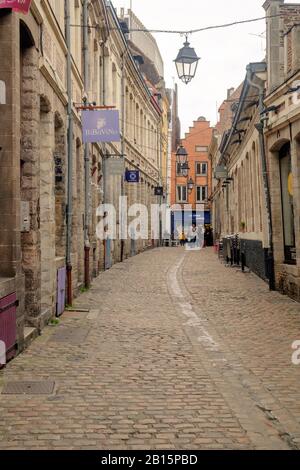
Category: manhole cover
[70,335]
[28,388]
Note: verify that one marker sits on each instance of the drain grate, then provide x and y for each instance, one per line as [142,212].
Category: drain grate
[70,335]
[28,388]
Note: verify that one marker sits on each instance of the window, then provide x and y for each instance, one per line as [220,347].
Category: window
[202,193]
[287,204]
[201,148]
[201,169]
[181,194]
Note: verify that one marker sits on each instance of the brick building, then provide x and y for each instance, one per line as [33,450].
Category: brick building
[196,143]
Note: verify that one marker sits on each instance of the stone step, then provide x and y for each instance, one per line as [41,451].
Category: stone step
[30,334]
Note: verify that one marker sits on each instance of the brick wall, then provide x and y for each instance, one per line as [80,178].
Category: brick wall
[199,134]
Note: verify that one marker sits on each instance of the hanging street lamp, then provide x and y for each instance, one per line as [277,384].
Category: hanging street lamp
[181,155]
[191,185]
[186,63]
[185,169]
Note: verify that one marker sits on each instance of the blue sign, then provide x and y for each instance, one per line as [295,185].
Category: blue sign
[132,176]
[100,126]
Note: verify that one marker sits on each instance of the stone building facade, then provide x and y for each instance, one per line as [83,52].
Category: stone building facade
[146,53]
[34,159]
[141,128]
[238,192]
[258,195]
[282,134]
[34,153]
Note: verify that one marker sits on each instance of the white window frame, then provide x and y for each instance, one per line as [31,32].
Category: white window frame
[206,193]
[201,163]
[180,199]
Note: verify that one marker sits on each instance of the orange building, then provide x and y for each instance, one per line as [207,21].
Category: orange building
[196,143]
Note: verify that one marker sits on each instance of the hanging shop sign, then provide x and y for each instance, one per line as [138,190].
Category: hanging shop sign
[221,172]
[100,126]
[115,166]
[159,191]
[21,6]
[132,176]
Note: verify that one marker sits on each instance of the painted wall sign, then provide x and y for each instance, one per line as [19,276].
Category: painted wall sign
[21,6]
[100,126]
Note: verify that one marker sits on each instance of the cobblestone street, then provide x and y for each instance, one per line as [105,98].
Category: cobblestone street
[177,352]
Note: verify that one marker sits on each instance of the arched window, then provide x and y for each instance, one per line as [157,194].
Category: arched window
[286,184]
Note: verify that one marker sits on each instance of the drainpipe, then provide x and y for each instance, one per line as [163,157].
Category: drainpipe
[70,154]
[160,151]
[122,149]
[104,145]
[260,128]
[86,152]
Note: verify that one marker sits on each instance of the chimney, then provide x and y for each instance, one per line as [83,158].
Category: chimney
[230,92]
[296,47]
[275,46]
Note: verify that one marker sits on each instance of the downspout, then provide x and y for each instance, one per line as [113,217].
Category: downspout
[104,165]
[260,128]
[70,155]
[160,150]
[86,152]
[122,150]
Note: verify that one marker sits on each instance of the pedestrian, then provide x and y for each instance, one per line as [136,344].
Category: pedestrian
[192,237]
[182,238]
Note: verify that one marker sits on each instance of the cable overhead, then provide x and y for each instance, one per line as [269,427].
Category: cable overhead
[185,32]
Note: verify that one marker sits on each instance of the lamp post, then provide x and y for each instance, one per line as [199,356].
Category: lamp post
[190,185]
[181,155]
[186,62]
[185,169]
[181,159]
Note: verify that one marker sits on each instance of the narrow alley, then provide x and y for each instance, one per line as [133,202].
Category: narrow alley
[177,351]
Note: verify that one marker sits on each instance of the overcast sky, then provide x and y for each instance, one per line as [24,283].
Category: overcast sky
[224,53]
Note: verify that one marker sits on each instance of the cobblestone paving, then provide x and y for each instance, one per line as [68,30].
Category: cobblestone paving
[177,352]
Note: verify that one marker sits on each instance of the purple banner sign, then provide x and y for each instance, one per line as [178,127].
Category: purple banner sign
[100,126]
[16,5]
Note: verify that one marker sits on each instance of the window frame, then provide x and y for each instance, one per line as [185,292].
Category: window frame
[201,163]
[206,193]
[186,193]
